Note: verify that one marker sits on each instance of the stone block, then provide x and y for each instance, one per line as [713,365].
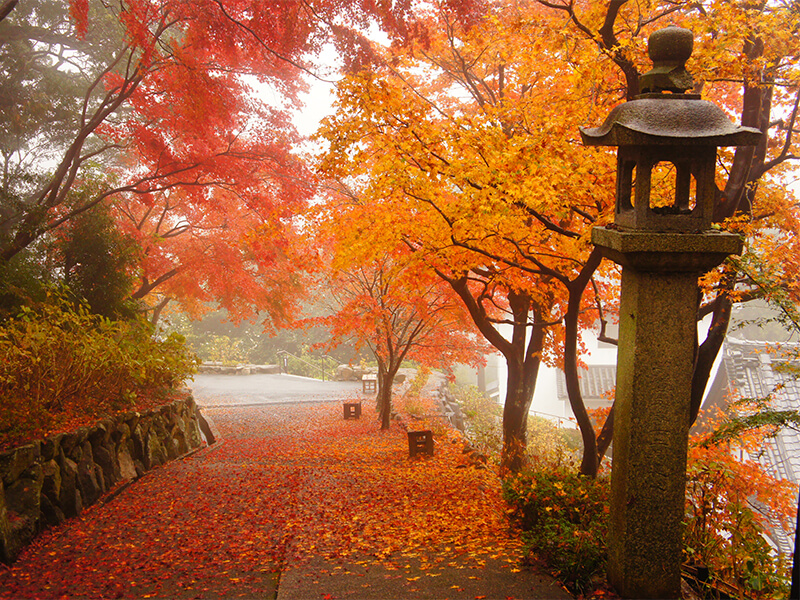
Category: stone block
[23,500]
[171,447]
[127,469]
[51,513]
[14,462]
[99,435]
[120,433]
[194,438]
[154,453]
[51,481]
[69,500]
[345,373]
[5,529]
[205,427]
[22,530]
[72,443]
[51,446]
[22,495]
[107,461]
[91,488]
[138,436]
[132,421]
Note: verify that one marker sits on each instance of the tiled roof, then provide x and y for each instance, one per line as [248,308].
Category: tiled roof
[595,382]
[748,370]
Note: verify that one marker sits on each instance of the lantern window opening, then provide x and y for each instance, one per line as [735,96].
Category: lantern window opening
[667,143]
[626,185]
[673,188]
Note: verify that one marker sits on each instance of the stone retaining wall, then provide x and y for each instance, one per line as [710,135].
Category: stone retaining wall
[216,369]
[50,480]
[450,407]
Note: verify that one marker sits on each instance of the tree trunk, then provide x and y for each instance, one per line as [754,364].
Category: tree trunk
[605,437]
[386,376]
[521,383]
[590,461]
[523,354]
[523,369]
[158,308]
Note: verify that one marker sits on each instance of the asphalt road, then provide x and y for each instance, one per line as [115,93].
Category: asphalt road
[251,390]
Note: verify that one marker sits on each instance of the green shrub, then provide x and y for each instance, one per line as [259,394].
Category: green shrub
[308,365]
[551,446]
[221,349]
[59,363]
[564,517]
[484,419]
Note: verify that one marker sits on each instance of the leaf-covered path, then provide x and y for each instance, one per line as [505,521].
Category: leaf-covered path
[293,501]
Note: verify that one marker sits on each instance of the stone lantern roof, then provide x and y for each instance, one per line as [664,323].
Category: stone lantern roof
[669,119]
[665,114]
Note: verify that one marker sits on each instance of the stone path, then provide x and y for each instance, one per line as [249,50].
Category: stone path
[293,502]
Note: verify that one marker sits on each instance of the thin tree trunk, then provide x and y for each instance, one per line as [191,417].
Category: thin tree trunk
[385,399]
[590,461]
[386,374]
[523,369]
[158,308]
[605,437]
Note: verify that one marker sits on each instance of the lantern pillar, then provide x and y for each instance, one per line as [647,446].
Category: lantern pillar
[655,362]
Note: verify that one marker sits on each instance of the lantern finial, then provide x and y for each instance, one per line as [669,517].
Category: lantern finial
[669,49]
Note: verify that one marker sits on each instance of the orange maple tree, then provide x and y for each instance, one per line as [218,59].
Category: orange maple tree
[389,303]
[470,151]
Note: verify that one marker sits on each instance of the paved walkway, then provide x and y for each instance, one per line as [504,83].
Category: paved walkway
[293,502]
[230,390]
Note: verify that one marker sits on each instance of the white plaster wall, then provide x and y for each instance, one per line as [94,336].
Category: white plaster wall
[545,399]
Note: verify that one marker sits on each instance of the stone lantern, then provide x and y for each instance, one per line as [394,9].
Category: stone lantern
[662,237]
[664,126]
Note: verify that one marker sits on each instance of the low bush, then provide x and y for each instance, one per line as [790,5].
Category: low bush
[220,349]
[730,505]
[308,365]
[419,381]
[484,420]
[59,364]
[564,517]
